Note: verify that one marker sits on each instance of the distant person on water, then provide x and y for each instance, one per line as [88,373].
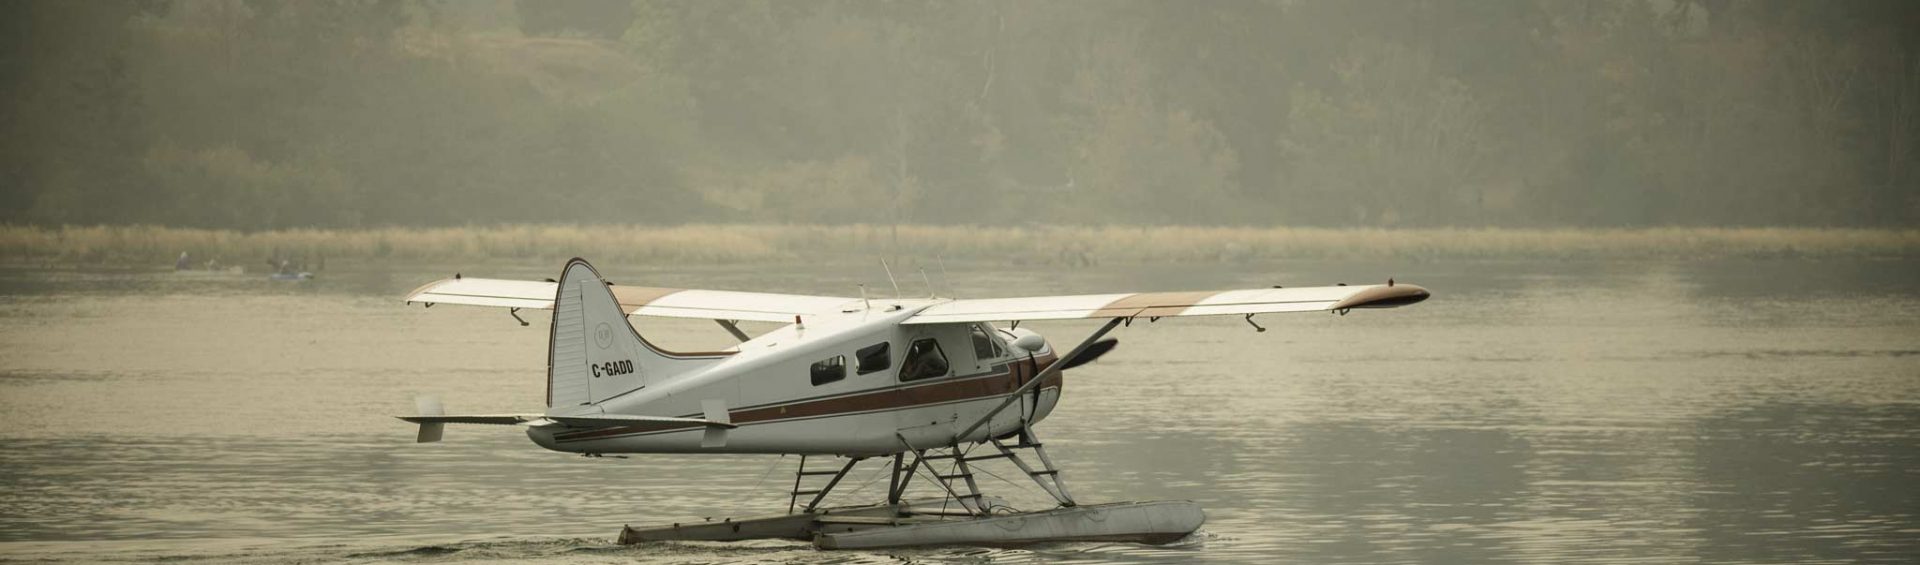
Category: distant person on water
[183,263]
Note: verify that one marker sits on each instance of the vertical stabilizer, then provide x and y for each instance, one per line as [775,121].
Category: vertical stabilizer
[594,353]
[430,432]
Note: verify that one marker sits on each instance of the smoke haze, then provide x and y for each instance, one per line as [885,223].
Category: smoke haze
[369,113]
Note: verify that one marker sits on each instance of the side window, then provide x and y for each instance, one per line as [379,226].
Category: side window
[924,361]
[984,346]
[876,357]
[829,370]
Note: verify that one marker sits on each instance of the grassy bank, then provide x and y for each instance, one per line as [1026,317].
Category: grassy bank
[698,244]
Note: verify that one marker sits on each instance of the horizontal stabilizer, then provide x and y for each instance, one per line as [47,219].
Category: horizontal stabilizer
[494,419]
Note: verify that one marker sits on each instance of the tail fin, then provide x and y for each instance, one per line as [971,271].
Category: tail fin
[429,431]
[594,353]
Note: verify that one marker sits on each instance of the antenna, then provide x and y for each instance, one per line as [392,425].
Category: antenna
[945,277]
[863,297]
[924,279]
[896,283]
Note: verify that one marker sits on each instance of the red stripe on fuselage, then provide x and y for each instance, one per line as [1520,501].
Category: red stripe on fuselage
[939,391]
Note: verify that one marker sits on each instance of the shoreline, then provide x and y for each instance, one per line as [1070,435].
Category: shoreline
[1065,245]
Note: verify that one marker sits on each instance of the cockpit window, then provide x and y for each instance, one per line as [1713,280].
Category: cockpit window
[925,360]
[876,357]
[984,345]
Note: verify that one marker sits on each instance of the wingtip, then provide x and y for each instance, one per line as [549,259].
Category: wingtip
[1390,296]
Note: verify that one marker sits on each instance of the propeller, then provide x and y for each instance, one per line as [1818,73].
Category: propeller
[1093,352]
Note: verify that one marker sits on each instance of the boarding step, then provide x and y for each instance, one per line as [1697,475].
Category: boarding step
[806,492]
[972,458]
[952,477]
[811,473]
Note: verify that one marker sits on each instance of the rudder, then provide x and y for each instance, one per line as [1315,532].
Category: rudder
[594,353]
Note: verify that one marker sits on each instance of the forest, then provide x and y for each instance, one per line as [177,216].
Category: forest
[342,114]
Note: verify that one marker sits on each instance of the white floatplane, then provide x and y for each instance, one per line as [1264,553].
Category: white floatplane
[929,385]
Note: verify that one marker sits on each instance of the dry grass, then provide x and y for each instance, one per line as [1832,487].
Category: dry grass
[709,244]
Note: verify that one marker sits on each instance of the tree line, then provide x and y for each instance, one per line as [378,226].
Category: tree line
[269,114]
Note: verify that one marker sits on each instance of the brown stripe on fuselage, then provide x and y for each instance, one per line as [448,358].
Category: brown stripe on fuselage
[1152,304]
[631,298]
[937,392]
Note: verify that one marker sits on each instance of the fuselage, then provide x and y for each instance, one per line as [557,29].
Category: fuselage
[856,382]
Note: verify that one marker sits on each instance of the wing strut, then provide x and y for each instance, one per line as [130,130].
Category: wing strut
[733,327]
[1052,368]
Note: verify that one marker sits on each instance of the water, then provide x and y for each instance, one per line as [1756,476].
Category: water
[1739,412]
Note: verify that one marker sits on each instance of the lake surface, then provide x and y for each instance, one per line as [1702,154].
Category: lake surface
[1729,411]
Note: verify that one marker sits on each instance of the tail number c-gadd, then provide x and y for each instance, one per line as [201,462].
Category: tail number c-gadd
[612,368]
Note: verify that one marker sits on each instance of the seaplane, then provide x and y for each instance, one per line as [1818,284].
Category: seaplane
[929,386]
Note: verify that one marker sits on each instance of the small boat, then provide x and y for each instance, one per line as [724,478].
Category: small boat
[300,276]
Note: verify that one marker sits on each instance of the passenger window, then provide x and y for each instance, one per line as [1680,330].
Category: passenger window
[829,370]
[924,361]
[876,357]
[984,346]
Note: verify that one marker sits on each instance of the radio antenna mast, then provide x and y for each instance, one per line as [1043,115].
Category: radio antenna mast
[896,283]
[946,277]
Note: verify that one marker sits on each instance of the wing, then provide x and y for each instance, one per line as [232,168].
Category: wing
[635,300]
[1161,304]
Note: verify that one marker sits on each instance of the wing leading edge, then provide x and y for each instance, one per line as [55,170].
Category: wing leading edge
[769,307]
[1165,304]
[635,300]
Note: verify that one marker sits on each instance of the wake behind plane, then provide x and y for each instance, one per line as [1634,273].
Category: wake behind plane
[930,386]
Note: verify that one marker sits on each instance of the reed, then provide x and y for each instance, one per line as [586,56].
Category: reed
[718,244]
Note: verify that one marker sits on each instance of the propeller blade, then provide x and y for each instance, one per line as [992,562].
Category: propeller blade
[1093,352]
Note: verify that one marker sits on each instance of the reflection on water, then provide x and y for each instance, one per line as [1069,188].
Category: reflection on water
[1808,483]
[1731,412]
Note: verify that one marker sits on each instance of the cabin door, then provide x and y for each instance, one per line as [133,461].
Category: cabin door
[933,356]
